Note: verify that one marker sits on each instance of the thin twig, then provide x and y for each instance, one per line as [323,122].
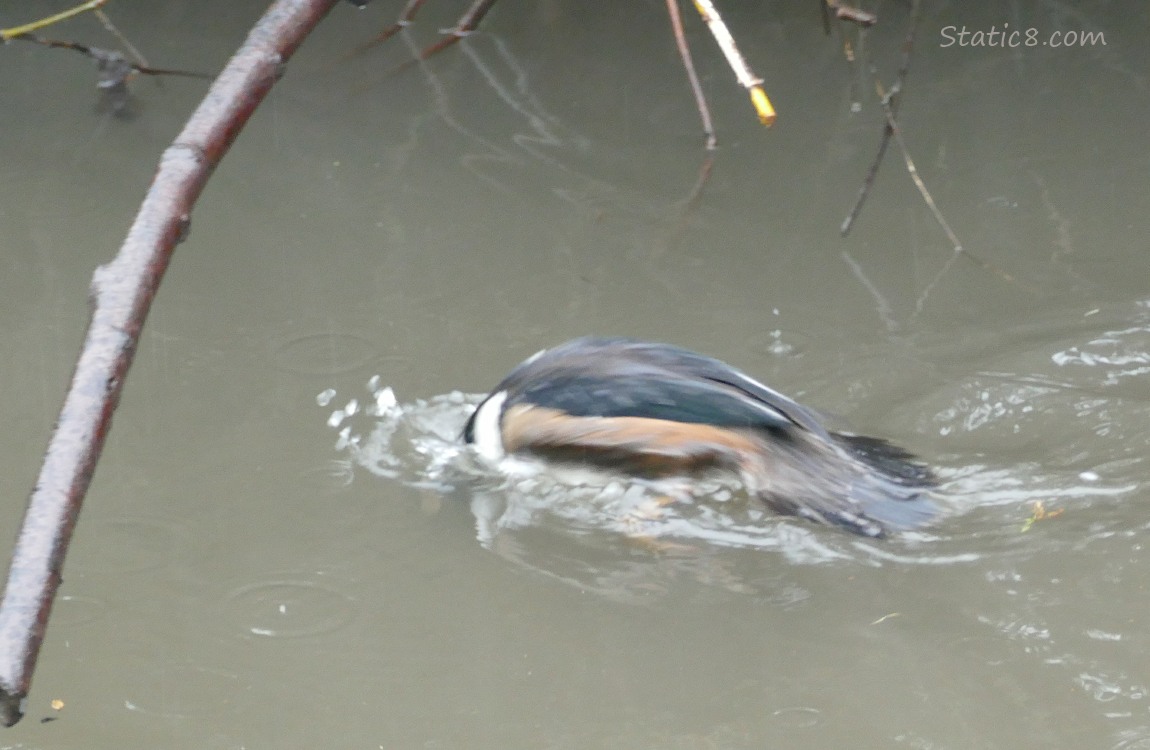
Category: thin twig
[825,14]
[406,16]
[889,101]
[896,89]
[912,170]
[105,56]
[466,24]
[926,196]
[692,76]
[747,79]
[405,19]
[469,21]
[141,61]
[849,13]
[868,181]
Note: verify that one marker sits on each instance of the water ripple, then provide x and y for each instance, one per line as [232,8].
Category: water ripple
[77,610]
[324,353]
[288,608]
[133,544]
[183,690]
[1133,739]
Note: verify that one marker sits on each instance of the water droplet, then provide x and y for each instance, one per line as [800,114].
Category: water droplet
[798,716]
[385,401]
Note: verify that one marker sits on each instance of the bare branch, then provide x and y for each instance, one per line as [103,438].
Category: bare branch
[122,293]
[896,89]
[692,76]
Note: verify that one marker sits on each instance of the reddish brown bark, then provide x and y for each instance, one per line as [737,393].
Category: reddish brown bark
[122,294]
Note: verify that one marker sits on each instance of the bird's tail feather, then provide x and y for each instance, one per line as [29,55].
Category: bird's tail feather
[896,492]
[865,485]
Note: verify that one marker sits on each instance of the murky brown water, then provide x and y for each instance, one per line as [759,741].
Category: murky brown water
[240,581]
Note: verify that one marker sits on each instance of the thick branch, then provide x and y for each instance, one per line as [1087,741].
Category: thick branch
[122,293]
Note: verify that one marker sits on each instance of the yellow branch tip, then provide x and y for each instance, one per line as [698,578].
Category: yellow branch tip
[28,28]
[763,106]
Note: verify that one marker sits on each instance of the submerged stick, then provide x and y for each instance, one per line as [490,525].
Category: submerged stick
[692,76]
[122,293]
[405,19]
[466,24]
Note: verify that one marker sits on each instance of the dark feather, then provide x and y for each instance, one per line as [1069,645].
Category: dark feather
[647,408]
[890,459]
[651,395]
[623,377]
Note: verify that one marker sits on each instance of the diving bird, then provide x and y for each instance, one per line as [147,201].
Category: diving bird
[654,410]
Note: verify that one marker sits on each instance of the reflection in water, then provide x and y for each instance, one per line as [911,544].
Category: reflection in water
[519,145]
[617,537]
[621,538]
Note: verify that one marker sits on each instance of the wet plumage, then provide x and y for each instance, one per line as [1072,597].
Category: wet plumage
[653,410]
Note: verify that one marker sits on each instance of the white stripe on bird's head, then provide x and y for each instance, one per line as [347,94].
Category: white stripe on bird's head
[487,433]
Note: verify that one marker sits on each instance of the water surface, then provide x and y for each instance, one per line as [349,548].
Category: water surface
[240,579]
